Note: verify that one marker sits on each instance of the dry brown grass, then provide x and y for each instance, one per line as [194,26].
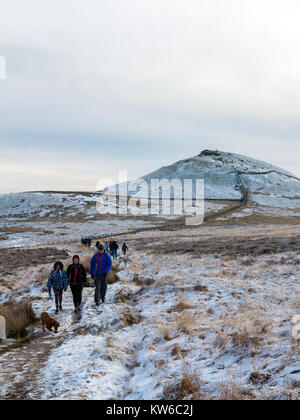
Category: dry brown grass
[122,297]
[259,378]
[129,318]
[167,330]
[43,275]
[186,323]
[234,392]
[113,276]
[177,352]
[246,338]
[189,388]
[200,288]
[18,317]
[248,328]
[85,261]
[183,304]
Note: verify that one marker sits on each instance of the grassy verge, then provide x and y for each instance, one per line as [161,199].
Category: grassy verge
[18,317]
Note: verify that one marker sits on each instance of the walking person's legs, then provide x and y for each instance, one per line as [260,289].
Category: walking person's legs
[60,299]
[103,288]
[97,289]
[79,296]
[74,290]
[56,294]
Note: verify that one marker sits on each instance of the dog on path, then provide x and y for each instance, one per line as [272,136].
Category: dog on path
[49,322]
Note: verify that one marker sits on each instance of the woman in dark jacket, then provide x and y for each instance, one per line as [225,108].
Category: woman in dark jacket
[77,278]
[58,281]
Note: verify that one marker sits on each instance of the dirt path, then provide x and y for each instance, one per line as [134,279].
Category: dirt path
[20,366]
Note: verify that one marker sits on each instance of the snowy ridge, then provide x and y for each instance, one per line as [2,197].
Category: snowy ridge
[226,175]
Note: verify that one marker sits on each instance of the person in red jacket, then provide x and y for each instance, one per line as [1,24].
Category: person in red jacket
[77,278]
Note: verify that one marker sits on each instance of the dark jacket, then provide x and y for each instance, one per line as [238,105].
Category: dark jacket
[81,276]
[100,264]
[58,280]
[114,246]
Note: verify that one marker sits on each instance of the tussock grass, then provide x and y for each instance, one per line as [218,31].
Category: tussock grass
[200,288]
[186,323]
[246,338]
[121,297]
[259,378]
[112,275]
[234,392]
[166,330]
[183,304]
[246,329]
[177,352]
[85,261]
[189,388]
[129,318]
[18,317]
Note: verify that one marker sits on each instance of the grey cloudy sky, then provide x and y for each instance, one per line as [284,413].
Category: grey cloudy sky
[96,86]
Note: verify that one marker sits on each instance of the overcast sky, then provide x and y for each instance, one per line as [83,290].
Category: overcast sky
[97,86]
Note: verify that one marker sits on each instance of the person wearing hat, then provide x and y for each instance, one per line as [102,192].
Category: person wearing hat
[77,278]
[99,268]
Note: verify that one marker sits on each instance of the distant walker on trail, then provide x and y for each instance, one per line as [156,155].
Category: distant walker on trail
[113,246]
[124,249]
[100,267]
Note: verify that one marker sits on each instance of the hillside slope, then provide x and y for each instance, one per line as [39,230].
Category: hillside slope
[265,188]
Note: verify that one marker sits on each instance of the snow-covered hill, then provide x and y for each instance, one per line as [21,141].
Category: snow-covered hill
[266,188]
[20,206]
[236,187]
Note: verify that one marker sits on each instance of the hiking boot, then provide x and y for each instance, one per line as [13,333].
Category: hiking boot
[56,311]
[60,308]
[97,304]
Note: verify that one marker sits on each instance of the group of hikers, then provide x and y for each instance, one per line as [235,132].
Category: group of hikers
[112,248]
[86,241]
[75,276]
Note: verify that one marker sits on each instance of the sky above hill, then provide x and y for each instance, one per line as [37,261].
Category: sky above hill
[93,87]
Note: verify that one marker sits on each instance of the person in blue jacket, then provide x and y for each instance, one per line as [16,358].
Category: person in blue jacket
[99,269]
[58,281]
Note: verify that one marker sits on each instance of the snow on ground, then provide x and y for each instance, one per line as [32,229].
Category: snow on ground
[220,172]
[223,323]
[45,233]
[19,206]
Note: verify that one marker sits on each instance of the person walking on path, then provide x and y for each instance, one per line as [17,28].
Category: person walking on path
[124,249]
[99,268]
[58,281]
[114,250]
[77,278]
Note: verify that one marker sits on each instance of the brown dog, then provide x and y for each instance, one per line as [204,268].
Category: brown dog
[49,322]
